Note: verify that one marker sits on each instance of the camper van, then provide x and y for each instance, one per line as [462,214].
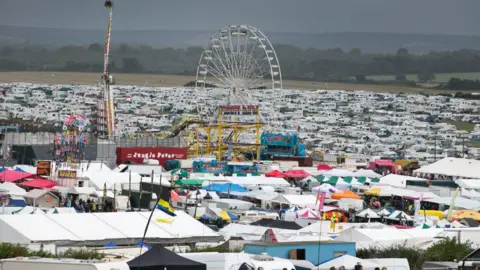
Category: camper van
[252,216]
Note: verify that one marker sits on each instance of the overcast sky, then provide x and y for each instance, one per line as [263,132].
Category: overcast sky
[319,16]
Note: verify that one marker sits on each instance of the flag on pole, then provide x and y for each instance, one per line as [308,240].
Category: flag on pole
[174,196]
[322,202]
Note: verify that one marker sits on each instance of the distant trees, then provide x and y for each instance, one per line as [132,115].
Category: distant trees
[400,77]
[447,249]
[332,65]
[361,78]
[459,84]
[426,76]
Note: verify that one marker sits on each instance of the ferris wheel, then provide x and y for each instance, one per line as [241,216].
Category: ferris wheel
[238,58]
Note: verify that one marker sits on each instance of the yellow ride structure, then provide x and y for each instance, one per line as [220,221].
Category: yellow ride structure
[220,137]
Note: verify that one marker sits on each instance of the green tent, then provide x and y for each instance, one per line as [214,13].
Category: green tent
[189,182]
[348,179]
[332,180]
[375,180]
[425,226]
[320,178]
[362,179]
[179,172]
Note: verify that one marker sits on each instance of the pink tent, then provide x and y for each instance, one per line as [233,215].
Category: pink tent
[39,183]
[306,213]
[324,167]
[14,176]
[296,174]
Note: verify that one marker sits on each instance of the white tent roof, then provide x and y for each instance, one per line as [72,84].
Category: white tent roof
[18,229]
[470,193]
[97,226]
[367,173]
[338,172]
[97,179]
[460,202]
[182,225]
[61,210]
[297,200]
[12,189]
[368,213]
[396,180]
[459,167]
[348,262]
[468,183]
[26,168]
[86,227]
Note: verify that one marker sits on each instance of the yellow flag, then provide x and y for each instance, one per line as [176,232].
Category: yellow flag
[166,205]
[164,220]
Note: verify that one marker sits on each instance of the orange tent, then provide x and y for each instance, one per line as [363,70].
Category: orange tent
[345,194]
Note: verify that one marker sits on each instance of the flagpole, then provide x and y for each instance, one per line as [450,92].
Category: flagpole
[130,189]
[320,208]
[151,183]
[140,194]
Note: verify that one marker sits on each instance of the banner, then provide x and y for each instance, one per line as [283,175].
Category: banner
[44,167]
[238,108]
[67,174]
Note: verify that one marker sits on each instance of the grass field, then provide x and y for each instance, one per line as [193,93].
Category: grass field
[440,77]
[461,125]
[178,80]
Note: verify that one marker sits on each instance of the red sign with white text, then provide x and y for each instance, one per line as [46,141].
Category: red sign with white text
[139,154]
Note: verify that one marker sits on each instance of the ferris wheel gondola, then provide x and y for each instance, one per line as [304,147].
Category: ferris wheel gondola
[236,60]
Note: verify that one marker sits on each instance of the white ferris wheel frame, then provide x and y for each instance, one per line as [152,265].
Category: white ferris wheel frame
[239,95]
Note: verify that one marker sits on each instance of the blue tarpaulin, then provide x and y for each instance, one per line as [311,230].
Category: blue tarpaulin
[224,188]
[16,203]
[19,170]
[141,244]
[110,245]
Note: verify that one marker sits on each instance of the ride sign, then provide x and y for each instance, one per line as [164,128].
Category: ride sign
[238,108]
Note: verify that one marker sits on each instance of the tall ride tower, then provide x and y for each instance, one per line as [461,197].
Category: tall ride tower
[105,117]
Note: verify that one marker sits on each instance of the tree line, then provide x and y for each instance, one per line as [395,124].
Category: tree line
[332,65]
[446,249]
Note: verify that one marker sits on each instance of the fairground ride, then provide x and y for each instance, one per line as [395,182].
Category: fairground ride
[238,59]
[105,111]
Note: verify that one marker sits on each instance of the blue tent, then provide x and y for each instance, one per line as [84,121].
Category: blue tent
[205,217]
[110,245]
[141,244]
[223,188]
[19,170]
[232,216]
